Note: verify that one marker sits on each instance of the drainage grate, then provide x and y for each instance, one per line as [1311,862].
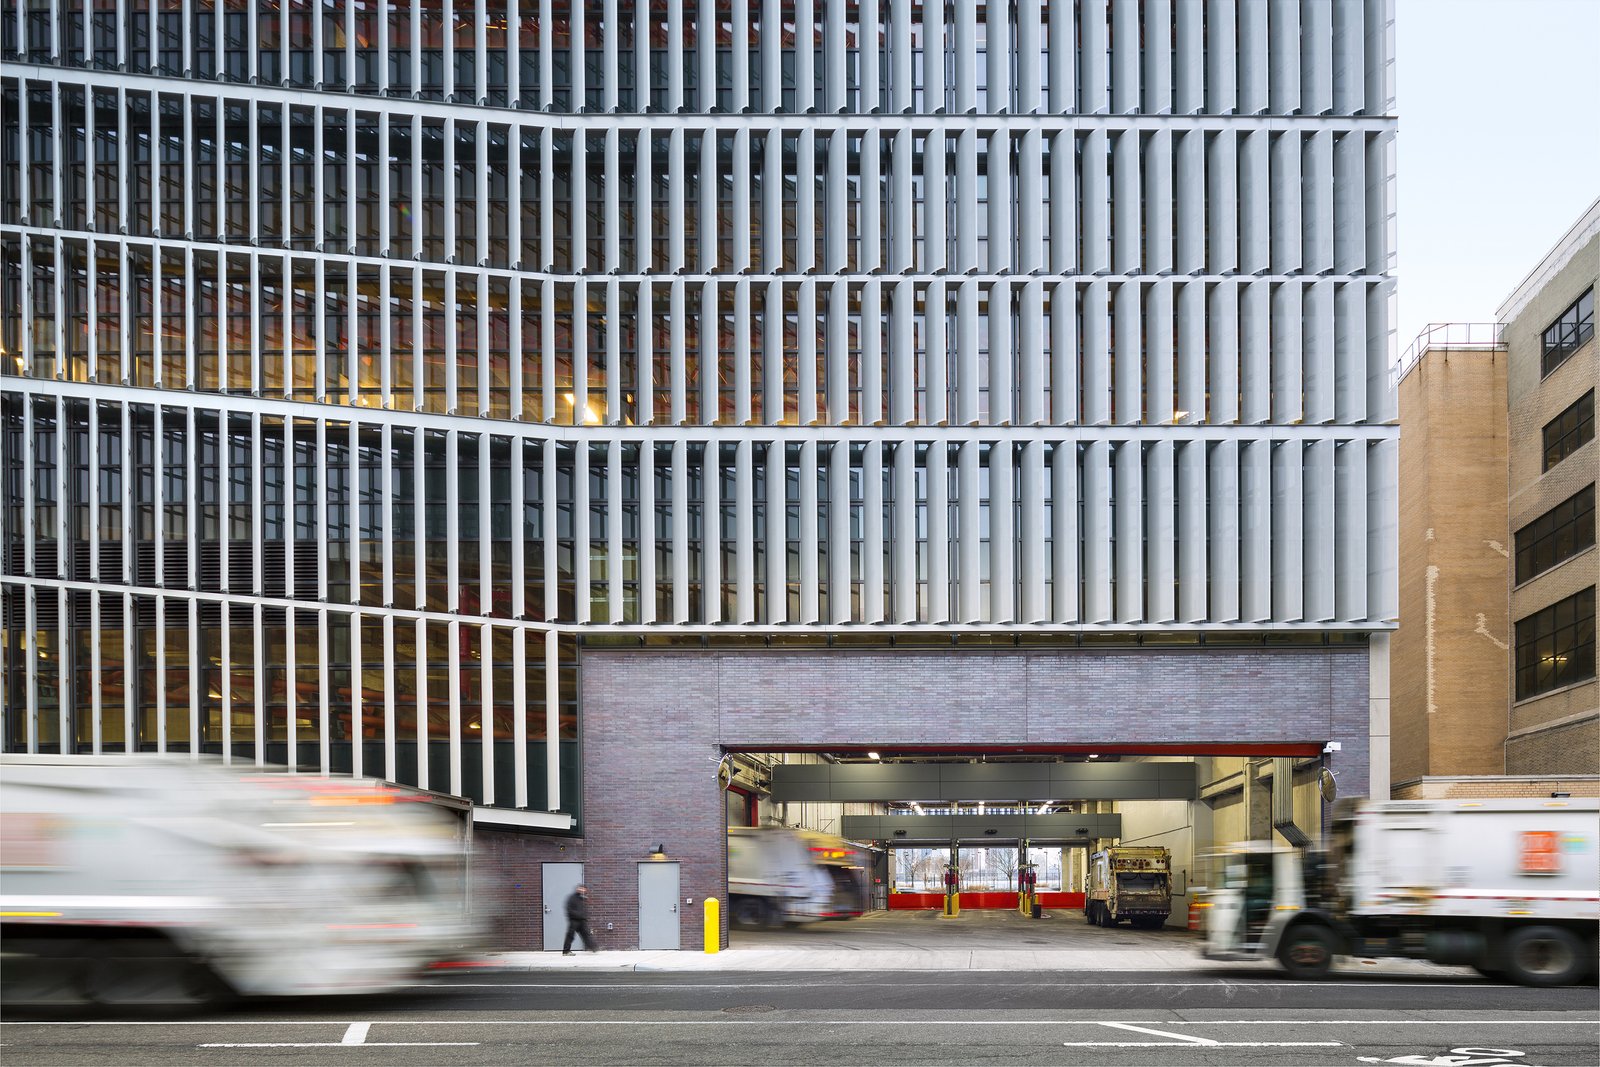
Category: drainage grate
[748,1009]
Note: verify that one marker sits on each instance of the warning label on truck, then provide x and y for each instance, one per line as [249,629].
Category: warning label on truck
[1541,852]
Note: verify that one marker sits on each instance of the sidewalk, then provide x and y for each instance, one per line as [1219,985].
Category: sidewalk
[1173,962]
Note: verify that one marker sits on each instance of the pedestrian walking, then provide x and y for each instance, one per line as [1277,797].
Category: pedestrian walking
[578,921]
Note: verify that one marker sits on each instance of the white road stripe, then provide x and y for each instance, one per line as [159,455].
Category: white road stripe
[337,1044]
[18,1024]
[1207,1044]
[357,1034]
[1160,1033]
[635,986]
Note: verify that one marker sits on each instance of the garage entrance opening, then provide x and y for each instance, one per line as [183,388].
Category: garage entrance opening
[826,846]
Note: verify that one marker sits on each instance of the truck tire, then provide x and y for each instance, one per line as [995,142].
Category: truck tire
[775,916]
[1544,956]
[1088,913]
[748,911]
[1306,952]
[149,973]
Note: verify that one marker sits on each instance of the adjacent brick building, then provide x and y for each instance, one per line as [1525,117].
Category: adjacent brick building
[1553,365]
[1494,663]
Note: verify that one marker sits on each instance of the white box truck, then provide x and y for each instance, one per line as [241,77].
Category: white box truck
[1509,887]
[778,875]
[1130,883]
[159,880]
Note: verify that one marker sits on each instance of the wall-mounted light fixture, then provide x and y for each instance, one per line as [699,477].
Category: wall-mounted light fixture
[659,852]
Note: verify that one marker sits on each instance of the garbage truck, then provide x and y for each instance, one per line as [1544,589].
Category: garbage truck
[1508,887]
[780,875]
[147,880]
[1129,882]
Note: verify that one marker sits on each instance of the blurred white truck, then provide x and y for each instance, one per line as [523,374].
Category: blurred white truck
[778,875]
[134,880]
[1510,888]
[1129,882]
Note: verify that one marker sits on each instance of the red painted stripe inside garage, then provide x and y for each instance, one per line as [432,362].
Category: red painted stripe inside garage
[935,901]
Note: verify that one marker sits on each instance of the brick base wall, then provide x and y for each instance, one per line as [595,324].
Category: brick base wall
[655,722]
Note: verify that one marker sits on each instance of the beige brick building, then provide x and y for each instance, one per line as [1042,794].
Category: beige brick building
[1451,658]
[1494,687]
[1551,372]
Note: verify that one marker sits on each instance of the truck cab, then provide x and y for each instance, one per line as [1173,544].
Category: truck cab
[1261,892]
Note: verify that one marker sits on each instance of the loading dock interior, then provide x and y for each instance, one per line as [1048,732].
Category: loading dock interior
[993,814]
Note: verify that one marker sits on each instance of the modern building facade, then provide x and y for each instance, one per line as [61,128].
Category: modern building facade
[532,401]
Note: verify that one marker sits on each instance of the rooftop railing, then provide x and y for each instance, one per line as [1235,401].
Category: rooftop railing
[1454,335]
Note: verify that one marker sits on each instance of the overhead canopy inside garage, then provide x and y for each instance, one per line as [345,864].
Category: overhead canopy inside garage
[1054,829]
[1000,782]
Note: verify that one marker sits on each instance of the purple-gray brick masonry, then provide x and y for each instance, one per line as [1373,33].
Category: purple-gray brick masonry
[655,723]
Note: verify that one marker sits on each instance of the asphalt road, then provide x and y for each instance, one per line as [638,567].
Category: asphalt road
[1117,1019]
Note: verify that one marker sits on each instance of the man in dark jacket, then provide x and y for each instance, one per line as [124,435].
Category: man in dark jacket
[578,920]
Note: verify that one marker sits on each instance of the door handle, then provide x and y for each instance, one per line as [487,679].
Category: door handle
[547,909]
[674,908]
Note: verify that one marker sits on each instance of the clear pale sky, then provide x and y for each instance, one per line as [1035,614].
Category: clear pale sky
[1499,146]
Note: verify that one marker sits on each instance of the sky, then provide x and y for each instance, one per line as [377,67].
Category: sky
[1499,146]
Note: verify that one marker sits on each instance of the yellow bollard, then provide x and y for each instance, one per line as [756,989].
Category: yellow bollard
[713,925]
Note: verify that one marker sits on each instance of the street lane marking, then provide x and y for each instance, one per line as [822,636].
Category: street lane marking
[13,1024]
[1188,1041]
[1208,1044]
[1160,1033]
[1288,984]
[355,1034]
[336,1044]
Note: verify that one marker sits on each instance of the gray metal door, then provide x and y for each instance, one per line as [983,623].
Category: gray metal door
[658,905]
[560,879]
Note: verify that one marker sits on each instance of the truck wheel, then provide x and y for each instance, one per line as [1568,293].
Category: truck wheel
[1088,913]
[747,911]
[1544,956]
[1306,952]
[775,917]
[148,973]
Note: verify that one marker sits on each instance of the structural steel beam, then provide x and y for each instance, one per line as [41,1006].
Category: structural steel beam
[842,783]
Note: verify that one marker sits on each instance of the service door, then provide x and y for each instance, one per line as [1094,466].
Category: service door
[560,879]
[658,906]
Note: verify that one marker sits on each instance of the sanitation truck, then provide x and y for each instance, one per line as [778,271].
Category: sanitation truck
[1129,882]
[778,875]
[1510,888]
[131,880]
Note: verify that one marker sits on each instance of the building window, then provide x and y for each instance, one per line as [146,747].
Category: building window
[1569,332]
[1569,431]
[1557,535]
[1555,647]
